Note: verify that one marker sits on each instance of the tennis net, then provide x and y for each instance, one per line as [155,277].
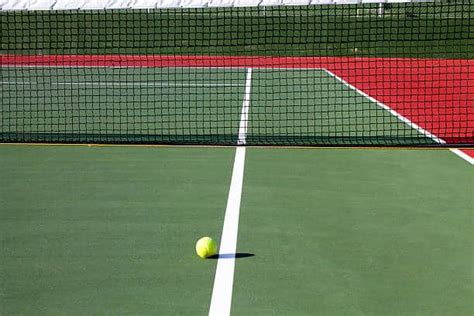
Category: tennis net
[230,72]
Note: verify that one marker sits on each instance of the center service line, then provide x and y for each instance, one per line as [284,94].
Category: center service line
[223,282]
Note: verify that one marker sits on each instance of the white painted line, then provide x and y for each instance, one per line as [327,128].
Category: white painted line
[124,84]
[244,116]
[463,155]
[221,300]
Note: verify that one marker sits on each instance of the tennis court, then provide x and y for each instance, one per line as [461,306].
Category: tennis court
[335,181]
[112,229]
[331,231]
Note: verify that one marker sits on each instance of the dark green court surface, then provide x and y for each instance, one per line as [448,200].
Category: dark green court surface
[108,230]
[356,232]
[111,230]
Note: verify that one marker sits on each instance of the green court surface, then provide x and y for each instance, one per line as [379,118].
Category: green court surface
[108,230]
[111,230]
[357,232]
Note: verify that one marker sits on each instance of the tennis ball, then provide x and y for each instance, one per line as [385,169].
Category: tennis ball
[206,247]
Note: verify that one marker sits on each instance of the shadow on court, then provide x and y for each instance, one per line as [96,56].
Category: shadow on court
[239,255]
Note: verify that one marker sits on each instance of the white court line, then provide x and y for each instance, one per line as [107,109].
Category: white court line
[221,300]
[463,155]
[400,117]
[244,116]
[123,84]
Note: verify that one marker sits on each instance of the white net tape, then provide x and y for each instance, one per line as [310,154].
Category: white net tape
[152,4]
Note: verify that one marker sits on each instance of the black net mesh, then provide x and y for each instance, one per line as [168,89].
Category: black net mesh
[393,74]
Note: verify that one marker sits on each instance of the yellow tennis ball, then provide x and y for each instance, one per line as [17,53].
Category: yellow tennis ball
[206,247]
